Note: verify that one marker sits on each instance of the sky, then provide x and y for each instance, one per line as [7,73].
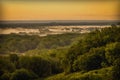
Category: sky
[59,10]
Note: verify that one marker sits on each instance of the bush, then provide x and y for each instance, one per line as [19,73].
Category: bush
[23,74]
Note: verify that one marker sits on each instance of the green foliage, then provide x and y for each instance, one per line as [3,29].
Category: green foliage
[72,54]
[99,74]
[13,58]
[89,61]
[89,53]
[13,43]
[18,43]
[112,51]
[6,66]
[89,58]
[54,56]
[115,74]
[54,41]
[5,76]
[36,64]
[23,74]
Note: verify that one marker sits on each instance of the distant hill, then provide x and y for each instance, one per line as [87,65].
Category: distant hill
[59,22]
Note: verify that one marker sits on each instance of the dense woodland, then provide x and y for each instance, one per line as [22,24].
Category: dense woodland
[90,56]
[14,43]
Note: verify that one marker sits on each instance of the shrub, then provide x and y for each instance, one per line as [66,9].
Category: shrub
[22,74]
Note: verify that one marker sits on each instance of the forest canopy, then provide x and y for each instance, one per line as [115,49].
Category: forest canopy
[90,56]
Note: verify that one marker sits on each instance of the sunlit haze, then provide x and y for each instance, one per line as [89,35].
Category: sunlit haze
[59,10]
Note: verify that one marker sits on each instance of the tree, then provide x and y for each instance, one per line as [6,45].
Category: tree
[5,76]
[6,66]
[36,64]
[13,58]
[87,62]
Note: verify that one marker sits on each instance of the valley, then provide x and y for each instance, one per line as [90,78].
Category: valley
[51,30]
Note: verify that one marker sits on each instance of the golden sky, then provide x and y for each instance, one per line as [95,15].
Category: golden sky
[59,10]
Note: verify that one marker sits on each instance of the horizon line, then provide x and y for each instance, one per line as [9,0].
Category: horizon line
[63,20]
